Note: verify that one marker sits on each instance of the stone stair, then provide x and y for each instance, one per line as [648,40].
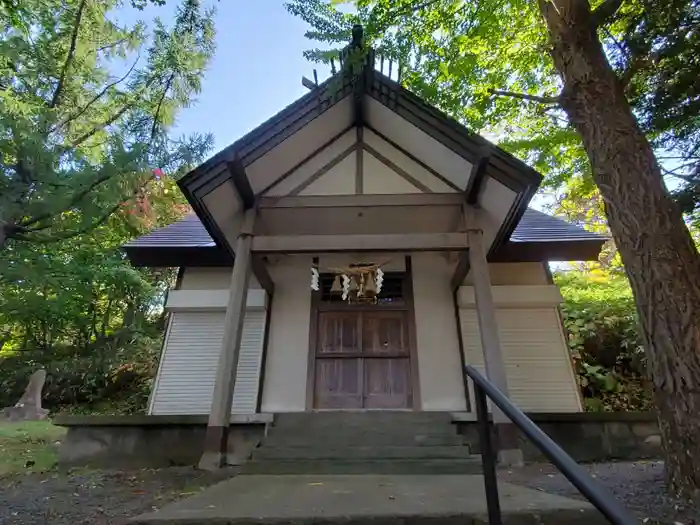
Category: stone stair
[374,442]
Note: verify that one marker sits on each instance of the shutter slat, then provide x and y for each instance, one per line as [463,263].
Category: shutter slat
[538,366]
[185,382]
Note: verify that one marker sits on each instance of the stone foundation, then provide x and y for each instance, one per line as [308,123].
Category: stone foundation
[151,441]
[587,436]
[158,441]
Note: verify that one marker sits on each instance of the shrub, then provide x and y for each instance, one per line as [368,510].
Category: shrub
[601,323]
[116,378]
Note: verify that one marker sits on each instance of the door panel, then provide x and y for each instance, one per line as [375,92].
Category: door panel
[384,333]
[362,360]
[387,383]
[339,333]
[339,383]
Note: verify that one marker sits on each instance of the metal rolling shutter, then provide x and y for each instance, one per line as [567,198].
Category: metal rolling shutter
[187,371]
[537,363]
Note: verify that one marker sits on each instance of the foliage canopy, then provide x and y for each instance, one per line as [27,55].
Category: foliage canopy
[86,109]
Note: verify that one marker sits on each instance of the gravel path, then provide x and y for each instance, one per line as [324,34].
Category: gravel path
[639,485]
[82,497]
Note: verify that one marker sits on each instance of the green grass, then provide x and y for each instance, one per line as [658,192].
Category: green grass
[28,446]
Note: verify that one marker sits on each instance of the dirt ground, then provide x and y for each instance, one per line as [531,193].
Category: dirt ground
[639,485]
[84,497]
[34,492]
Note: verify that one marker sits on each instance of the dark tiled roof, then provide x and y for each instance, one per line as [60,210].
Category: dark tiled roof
[186,233]
[535,226]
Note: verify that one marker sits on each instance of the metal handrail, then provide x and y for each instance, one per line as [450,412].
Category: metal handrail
[592,490]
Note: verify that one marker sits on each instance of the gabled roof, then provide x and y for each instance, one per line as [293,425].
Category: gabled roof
[368,105]
[536,226]
[188,232]
[242,165]
[537,237]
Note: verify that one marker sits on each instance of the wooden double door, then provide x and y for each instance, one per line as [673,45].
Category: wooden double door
[362,360]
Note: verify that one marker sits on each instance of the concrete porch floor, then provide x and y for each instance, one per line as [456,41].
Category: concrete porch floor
[376,499]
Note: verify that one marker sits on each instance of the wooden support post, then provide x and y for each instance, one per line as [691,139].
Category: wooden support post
[216,441]
[506,433]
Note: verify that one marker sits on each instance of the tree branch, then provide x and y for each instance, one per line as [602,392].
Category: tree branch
[96,97]
[69,58]
[391,17]
[605,11]
[68,235]
[154,127]
[113,44]
[19,233]
[524,96]
[98,128]
[24,225]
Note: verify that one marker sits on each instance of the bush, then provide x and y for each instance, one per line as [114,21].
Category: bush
[116,378]
[601,323]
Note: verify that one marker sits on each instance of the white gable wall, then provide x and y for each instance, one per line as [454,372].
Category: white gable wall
[378,178]
[407,164]
[340,180]
[407,136]
[286,185]
[282,158]
[378,175]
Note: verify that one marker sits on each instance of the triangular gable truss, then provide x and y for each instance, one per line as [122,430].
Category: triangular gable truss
[347,105]
[354,154]
[370,86]
[349,98]
[373,87]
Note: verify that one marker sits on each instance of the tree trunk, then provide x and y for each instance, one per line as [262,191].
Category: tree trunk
[660,258]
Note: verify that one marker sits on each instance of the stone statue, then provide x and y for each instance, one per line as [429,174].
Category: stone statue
[28,408]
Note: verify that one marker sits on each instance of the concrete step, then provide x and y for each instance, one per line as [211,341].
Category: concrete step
[333,451]
[275,439]
[378,421]
[401,466]
[364,428]
[361,415]
[584,516]
[362,500]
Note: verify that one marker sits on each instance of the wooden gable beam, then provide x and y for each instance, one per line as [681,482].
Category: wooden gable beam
[469,218]
[397,169]
[471,197]
[405,242]
[415,159]
[359,161]
[476,179]
[241,182]
[365,200]
[259,266]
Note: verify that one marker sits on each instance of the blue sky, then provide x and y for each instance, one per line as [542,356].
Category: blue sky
[255,73]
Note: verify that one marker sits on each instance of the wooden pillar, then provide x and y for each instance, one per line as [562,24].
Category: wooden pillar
[506,433]
[216,441]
